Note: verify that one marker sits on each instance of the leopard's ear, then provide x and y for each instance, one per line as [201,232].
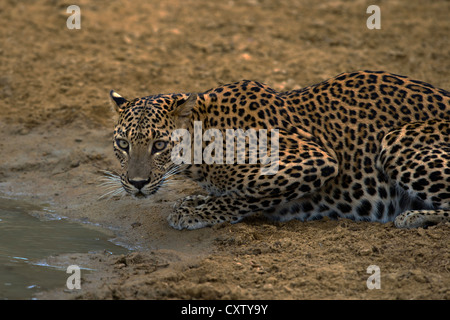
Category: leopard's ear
[117,101]
[183,109]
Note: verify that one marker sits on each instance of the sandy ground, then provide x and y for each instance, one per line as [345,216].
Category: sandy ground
[56,128]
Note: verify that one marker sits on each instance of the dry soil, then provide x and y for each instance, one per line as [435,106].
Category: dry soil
[56,128]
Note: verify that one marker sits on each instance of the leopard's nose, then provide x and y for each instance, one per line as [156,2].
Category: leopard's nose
[139,184]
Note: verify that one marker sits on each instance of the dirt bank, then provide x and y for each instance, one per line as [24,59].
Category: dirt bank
[56,128]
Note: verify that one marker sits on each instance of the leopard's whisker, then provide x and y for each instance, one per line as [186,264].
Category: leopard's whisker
[110,194]
[112,185]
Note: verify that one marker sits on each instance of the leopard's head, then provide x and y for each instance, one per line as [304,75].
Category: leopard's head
[142,138]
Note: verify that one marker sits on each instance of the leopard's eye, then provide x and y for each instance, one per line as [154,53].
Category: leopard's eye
[159,146]
[123,144]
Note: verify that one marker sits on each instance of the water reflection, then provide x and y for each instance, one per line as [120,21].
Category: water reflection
[25,239]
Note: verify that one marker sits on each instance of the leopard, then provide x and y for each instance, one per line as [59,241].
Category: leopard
[366,146]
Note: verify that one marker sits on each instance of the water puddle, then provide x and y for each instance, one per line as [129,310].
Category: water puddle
[25,240]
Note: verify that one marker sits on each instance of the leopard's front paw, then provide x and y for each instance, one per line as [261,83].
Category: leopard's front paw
[187,218]
[191,201]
